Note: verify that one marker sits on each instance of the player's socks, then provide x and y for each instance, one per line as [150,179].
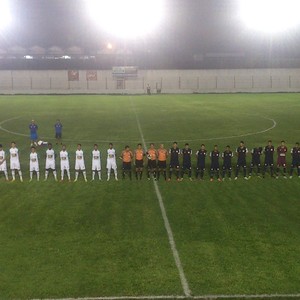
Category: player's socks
[130,175]
[158,175]
[229,174]
[136,175]
[298,171]
[6,175]
[68,174]
[165,175]
[197,174]
[76,175]
[148,174]
[123,175]
[55,175]
[46,175]
[84,175]
[93,175]
[190,173]
[177,174]
[62,175]
[20,175]
[245,172]
[116,174]
[99,175]
[141,175]
[201,174]
[170,174]
[31,175]
[284,172]
[154,175]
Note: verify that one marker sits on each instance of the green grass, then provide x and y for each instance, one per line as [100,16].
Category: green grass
[108,238]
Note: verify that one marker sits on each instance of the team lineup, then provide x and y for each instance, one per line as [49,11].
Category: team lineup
[180,162]
[156,160]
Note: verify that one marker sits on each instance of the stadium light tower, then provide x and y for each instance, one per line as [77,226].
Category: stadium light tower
[5,15]
[127,19]
[270,16]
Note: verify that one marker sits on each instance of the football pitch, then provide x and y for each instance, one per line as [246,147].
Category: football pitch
[144,238]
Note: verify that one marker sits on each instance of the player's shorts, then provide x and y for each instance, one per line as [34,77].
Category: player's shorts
[269,162]
[126,166]
[215,167]
[3,167]
[58,135]
[111,164]
[64,166]
[174,165]
[33,136]
[151,164]
[255,163]
[241,163]
[295,164]
[227,167]
[186,166]
[96,166]
[162,164]
[79,165]
[34,166]
[281,161]
[50,165]
[139,163]
[15,165]
[201,167]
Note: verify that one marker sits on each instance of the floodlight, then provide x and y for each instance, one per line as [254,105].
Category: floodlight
[270,16]
[127,18]
[5,16]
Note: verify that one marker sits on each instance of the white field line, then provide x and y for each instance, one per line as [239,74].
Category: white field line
[136,141]
[204,297]
[183,279]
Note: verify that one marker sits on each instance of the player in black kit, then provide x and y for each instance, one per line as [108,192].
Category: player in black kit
[227,156]
[186,161]
[255,162]
[295,160]
[201,154]
[215,166]
[174,161]
[241,152]
[269,158]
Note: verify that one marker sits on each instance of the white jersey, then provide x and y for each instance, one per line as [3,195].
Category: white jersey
[2,161]
[96,160]
[79,162]
[111,159]
[14,159]
[34,162]
[50,159]
[64,160]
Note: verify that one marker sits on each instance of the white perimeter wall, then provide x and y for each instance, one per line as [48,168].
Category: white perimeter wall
[170,81]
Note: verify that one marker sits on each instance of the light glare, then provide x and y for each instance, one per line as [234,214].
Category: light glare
[270,16]
[5,16]
[127,19]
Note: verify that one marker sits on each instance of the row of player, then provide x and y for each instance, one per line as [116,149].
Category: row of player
[157,161]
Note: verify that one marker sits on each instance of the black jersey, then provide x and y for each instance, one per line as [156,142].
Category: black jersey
[241,152]
[186,156]
[256,153]
[269,154]
[201,154]
[174,155]
[214,156]
[295,155]
[227,157]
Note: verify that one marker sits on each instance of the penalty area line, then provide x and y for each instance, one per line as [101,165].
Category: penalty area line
[200,297]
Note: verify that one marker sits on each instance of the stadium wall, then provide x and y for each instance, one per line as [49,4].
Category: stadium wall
[169,81]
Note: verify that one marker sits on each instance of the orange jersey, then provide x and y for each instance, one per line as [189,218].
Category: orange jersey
[127,156]
[152,154]
[139,154]
[162,154]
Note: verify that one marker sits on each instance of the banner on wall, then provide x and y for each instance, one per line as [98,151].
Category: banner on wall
[73,75]
[91,75]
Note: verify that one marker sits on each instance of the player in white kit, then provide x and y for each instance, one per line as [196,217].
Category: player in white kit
[111,161]
[34,164]
[96,162]
[79,163]
[15,162]
[3,167]
[64,163]
[50,162]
